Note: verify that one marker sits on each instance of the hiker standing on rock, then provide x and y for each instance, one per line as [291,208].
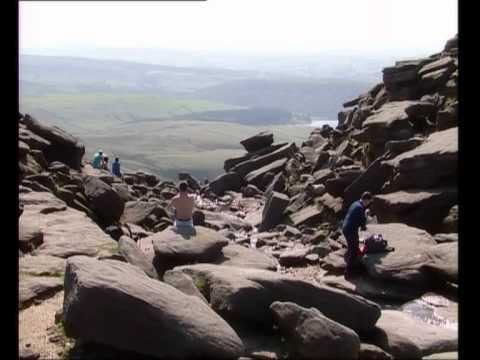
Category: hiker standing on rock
[97,160]
[356,218]
[183,204]
[116,168]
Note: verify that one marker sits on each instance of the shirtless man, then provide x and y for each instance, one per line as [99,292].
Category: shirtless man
[183,204]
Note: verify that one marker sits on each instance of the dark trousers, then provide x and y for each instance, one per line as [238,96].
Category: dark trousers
[351,257]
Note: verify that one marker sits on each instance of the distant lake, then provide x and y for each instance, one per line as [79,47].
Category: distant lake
[320,123]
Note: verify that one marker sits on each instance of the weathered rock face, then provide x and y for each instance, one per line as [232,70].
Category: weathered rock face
[107,203]
[414,208]
[98,292]
[311,333]
[258,142]
[230,291]
[434,163]
[59,146]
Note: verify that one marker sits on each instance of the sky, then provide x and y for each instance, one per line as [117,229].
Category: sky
[258,26]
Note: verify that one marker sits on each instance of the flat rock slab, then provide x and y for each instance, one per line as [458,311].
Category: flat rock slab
[308,215]
[429,339]
[373,288]
[160,320]
[65,233]
[41,265]
[33,288]
[245,295]
[175,247]
[411,245]
[255,177]
[240,256]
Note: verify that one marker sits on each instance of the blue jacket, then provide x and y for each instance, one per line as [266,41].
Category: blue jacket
[355,218]
[116,168]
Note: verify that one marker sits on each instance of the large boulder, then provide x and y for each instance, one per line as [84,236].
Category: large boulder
[65,233]
[310,333]
[240,256]
[248,166]
[178,246]
[391,122]
[138,212]
[273,210]
[243,296]
[104,298]
[395,327]
[371,180]
[255,177]
[310,215]
[228,181]
[106,201]
[192,182]
[135,256]
[62,146]
[230,163]
[405,264]
[258,141]
[414,207]
[434,163]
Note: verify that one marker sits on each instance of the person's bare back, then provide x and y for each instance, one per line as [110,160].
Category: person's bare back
[183,204]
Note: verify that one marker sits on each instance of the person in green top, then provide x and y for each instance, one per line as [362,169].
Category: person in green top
[97,160]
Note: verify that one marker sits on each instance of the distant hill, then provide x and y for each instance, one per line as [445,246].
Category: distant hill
[316,97]
[50,75]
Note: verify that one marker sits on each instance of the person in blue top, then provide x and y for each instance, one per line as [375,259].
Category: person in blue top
[97,160]
[116,168]
[356,218]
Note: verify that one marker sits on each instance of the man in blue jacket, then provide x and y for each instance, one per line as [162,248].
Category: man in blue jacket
[116,168]
[355,219]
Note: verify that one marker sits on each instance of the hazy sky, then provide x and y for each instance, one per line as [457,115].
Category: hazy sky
[265,26]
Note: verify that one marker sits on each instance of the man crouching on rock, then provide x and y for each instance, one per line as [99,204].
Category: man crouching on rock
[183,204]
[355,218]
